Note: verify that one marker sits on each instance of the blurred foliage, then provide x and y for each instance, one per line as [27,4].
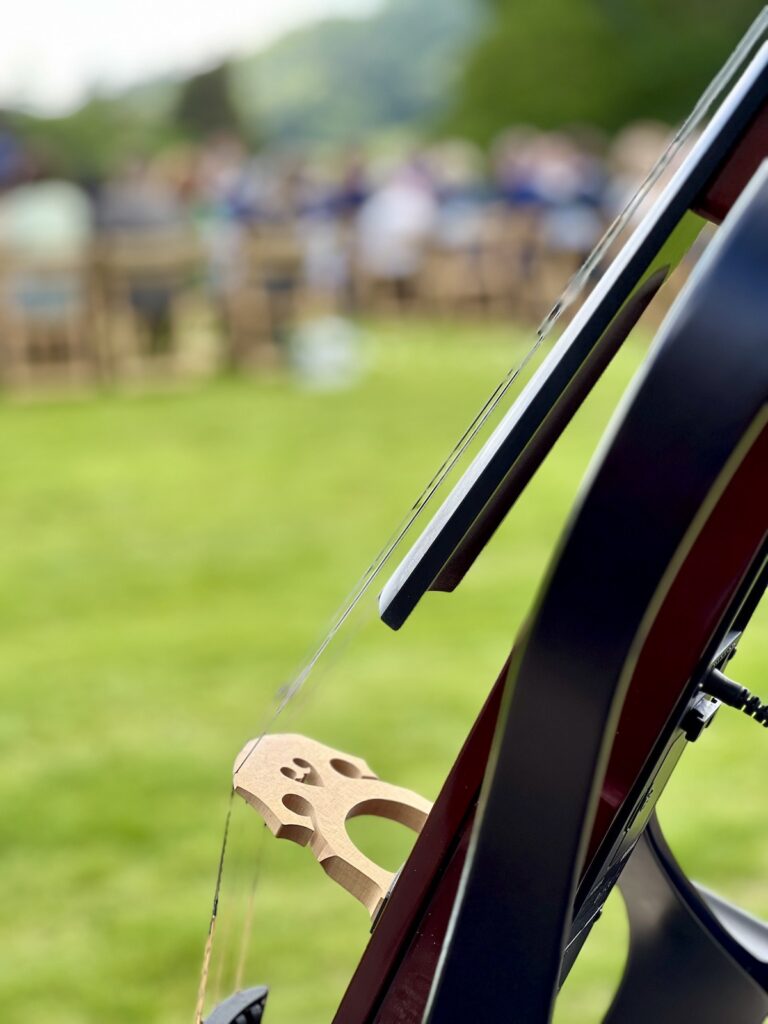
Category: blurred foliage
[205,105]
[556,62]
[471,67]
[94,140]
[341,80]
[346,79]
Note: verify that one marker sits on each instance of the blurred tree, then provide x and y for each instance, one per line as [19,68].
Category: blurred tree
[205,106]
[552,62]
[94,140]
[345,79]
[466,66]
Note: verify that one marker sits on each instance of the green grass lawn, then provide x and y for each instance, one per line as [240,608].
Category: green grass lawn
[166,563]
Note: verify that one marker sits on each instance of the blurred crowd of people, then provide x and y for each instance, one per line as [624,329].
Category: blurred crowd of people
[91,271]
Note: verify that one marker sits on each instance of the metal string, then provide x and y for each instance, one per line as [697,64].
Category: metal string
[217,982]
[208,950]
[247,932]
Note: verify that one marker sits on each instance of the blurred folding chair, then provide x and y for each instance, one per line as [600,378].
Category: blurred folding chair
[260,309]
[48,321]
[451,281]
[150,286]
[508,260]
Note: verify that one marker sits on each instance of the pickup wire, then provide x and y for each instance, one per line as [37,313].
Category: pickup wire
[729,692]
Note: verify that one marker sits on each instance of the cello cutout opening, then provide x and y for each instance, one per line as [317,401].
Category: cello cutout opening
[297,804]
[289,773]
[304,772]
[345,768]
[385,842]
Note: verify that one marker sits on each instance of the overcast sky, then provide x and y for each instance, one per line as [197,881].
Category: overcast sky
[53,51]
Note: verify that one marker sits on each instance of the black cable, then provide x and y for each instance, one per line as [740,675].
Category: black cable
[736,696]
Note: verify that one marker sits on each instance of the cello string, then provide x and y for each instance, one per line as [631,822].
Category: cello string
[208,949]
[231,882]
[247,931]
[573,290]
[221,941]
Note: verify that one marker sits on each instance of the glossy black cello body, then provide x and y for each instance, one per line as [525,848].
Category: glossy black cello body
[550,802]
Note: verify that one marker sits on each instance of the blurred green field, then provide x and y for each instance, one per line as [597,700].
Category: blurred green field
[166,561]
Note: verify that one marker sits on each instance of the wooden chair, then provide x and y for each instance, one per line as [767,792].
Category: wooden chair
[260,310]
[508,261]
[149,284]
[47,323]
[452,280]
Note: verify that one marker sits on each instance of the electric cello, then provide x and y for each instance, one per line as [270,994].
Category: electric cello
[620,664]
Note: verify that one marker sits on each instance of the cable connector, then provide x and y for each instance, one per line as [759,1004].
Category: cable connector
[729,692]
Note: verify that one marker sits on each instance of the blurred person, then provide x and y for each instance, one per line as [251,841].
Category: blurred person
[140,199]
[632,154]
[570,184]
[227,195]
[177,167]
[144,222]
[325,207]
[553,184]
[248,210]
[230,184]
[46,227]
[513,174]
[326,257]
[311,190]
[458,172]
[455,277]
[11,155]
[354,184]
[394,227]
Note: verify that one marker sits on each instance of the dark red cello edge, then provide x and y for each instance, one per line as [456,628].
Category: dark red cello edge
[447,825]
[428,881]
[727,186]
